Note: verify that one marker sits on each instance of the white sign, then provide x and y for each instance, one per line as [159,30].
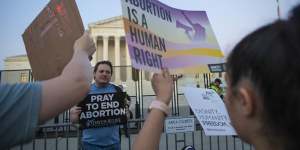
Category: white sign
[209,110]
[176,125]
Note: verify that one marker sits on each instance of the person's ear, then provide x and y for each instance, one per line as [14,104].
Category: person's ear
[247,98]
[94,73]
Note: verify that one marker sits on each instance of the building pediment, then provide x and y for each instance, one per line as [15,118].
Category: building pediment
[114,22]
[16,58]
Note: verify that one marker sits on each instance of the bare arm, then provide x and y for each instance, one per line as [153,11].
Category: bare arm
[66,90]
[149,137]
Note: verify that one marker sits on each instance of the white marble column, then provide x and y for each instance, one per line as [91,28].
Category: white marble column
[128,63]
[117,59]
[95,55]
[105,47]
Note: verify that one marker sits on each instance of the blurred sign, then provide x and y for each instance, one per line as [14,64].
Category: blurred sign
[50,37]
[209,110]
[215,68]
[177,125]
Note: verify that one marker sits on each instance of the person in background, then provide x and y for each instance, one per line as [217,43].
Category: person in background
[25,106]
[216,87]
[103,138]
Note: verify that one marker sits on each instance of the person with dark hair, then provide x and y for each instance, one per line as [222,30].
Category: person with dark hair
[216,87]
[104,62]
[263,98]
[23,106]
[105,137]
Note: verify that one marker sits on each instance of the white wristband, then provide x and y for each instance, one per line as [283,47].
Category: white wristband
[160,106]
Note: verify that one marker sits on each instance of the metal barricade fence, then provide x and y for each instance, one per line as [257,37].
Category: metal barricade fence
[15,76]
[59,133]
[63,136]
[67,137]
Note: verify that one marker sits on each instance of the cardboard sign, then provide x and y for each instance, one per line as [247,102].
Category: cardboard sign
[50,37]
[100,110]
[159,36]
[179,125]
[209,110]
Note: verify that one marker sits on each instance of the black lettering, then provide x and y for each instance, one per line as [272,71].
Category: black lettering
[148,58]
[168,16]
[162,14]
[129,14]
[148,39]
[137,55]
[214,123]
[160,62]
[144,57]
[149,10]
[154,9]
[155,61]
[133,34]
[156,46]
[141,37]
[143,4]
[162,44]
[135,19]
[136,3]
[144,21]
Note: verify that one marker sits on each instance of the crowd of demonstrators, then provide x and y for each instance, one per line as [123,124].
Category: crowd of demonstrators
[23,106]
[262,96]
[102,137]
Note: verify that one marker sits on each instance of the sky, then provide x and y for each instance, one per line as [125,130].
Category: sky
[231,19]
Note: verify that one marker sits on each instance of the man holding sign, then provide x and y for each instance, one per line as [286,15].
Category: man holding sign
[101,111]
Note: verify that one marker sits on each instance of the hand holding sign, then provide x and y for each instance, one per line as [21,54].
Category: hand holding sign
[85,44]
[74,113]
[162,85]
[49,39]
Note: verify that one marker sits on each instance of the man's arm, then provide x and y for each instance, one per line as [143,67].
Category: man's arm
[68,89]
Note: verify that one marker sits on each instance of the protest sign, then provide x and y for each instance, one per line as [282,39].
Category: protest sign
[161,36]
[50,37]
[180,124]
[100,110]
[209,110]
